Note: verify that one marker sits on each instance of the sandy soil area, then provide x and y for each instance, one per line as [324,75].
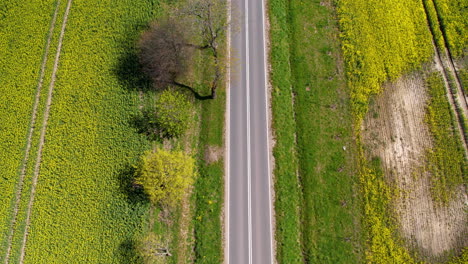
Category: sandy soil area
[394,130]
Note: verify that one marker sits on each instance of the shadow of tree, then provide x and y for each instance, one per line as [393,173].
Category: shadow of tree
[145,124]
[133,192]
[128,253]
[130,74]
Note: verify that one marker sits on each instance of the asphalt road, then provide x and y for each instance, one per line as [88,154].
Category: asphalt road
[249,218]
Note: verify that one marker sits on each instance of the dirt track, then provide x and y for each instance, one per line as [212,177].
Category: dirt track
[394,130]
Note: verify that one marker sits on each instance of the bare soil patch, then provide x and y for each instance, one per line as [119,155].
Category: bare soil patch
[394,130]
[213,154]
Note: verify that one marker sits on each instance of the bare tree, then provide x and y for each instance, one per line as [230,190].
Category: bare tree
[164,54]
[210,20]
[165,49]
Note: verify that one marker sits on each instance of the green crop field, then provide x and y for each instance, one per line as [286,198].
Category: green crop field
[85,209]
[380,41]
[287,191]
[79,211]
[20,64]
[454,21]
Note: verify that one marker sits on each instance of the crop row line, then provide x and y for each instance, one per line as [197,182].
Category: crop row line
[449,75]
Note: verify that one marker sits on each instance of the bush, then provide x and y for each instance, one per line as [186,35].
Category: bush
[165,175]
[173,112]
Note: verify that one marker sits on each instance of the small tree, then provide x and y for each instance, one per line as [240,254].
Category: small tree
[173,112]
[165,175]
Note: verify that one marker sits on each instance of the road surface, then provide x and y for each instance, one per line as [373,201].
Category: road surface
[249,203]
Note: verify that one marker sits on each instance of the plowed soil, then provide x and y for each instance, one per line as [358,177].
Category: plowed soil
[394,130]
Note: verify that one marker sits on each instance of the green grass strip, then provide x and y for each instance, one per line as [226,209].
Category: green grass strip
[287,192]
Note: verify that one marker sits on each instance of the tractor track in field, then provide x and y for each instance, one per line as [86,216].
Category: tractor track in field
[444,64]
[458,109]
[19,188]
[43,132]
[450,63]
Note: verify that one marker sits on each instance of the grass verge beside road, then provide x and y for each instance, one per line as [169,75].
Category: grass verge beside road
[310,100]
[287,192]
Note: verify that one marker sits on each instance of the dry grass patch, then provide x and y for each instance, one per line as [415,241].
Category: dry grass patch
[213,154]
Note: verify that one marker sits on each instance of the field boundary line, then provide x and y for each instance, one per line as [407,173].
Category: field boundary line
[43,132]
[19,188]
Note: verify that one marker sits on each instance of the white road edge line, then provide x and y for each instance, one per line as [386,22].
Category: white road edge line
[43,131]
[247,88]
[267,112]
[228,139]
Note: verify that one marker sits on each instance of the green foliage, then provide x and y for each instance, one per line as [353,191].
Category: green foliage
[433,21]
[463,259]
[446,160]
[173,113]
[380,40]
[324,122]
[454,21]
[165,175]
[464,79]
